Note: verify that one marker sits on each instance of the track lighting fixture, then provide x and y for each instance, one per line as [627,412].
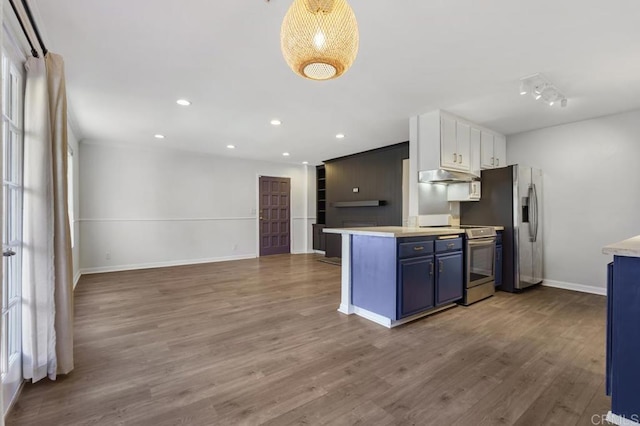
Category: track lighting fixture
[542,89]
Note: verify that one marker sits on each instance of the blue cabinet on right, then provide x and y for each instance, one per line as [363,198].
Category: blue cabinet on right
[499,265]
[623,339]
[449,282]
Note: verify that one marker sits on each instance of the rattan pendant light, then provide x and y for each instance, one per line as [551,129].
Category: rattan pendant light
[319,38]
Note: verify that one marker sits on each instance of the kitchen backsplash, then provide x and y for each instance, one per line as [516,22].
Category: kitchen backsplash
[433,200]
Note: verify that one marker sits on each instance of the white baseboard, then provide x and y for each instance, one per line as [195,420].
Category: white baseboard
[319,252]
[76,278]
[119,268]
[346,308]
[372,316]
[14,399]
[388,322]
[602,291]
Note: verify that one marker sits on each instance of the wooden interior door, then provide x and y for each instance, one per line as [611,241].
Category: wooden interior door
[275,218]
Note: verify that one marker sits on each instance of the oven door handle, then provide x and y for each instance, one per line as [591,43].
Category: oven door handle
[483,242]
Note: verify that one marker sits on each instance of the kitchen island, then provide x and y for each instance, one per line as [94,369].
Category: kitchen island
[392,274]
[623,332]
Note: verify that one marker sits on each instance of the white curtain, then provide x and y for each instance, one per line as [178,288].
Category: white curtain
[47,310]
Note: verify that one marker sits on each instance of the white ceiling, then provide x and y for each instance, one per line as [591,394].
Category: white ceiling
[128,61]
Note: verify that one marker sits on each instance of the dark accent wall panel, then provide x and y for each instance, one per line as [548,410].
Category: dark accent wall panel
[378,176]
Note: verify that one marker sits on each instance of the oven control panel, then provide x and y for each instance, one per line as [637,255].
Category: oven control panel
[489,231]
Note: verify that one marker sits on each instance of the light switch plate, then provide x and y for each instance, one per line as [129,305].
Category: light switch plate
[356,189]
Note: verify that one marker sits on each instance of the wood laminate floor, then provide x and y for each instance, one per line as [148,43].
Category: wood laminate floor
[260,342]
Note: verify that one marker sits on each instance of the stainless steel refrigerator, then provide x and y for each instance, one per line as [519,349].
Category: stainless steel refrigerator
[512,197]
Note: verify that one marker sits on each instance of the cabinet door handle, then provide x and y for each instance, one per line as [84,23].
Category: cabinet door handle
[419,248]
[498,162]
[431,268]
[460,157]
[492,161]
[451,245]
[441,266]
[455,157]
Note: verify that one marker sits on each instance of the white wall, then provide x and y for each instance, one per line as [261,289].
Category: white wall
[591,193]
[153,207]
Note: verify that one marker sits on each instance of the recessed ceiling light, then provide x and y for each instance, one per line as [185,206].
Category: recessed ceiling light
[340,136]
[286,154]
[276,122]
[158,136]
[231,146]
[305,162]
[183,102]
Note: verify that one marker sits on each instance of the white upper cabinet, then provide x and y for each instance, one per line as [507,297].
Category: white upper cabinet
[439,140]
[449,148]
[500,150]
[455,149]
[475,151]
[463,139]
[487,159]
[493,150]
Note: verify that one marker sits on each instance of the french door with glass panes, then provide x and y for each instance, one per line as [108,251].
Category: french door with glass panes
[12,149]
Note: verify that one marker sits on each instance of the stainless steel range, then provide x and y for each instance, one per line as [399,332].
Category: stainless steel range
[480,277]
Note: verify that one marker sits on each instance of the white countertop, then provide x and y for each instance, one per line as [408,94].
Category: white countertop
[401,231]
[395,231]
[497,228]
[629,248]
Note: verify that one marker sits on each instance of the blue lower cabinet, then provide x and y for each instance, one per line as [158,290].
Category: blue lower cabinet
[623,337]
[498,274]
[450,279]
[396,277]
[609,326]
[415,279]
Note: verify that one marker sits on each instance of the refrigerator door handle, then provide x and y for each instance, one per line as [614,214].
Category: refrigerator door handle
[530,195]
[537,215]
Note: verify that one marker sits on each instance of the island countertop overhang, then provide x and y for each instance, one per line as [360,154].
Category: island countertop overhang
[395,231]
[401,231]
[628,248]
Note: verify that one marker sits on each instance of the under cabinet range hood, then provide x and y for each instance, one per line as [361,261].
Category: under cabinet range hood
[445,176]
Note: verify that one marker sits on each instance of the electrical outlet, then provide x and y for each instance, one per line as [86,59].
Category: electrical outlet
[108,255]
[356,189]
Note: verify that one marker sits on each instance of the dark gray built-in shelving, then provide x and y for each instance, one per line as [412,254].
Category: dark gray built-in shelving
[321,195]
[364,189]
[319,238]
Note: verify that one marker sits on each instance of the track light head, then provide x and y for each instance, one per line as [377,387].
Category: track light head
[542,89]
